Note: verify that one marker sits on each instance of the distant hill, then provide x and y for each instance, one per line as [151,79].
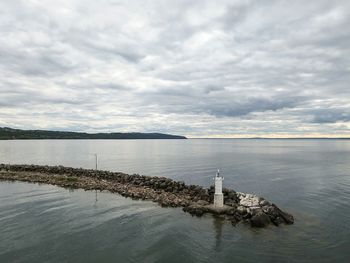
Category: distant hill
[16,134]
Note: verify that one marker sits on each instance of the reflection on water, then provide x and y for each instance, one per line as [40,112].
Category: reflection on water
[310,179]
[218,226]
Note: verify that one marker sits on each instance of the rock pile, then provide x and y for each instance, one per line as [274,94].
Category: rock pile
[194,199]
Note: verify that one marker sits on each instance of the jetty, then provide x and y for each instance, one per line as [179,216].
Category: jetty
[233,206]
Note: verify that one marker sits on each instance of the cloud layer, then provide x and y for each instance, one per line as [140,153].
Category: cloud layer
[198,68]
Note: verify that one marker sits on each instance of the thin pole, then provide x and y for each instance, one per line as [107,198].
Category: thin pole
[96,170]
[10,153]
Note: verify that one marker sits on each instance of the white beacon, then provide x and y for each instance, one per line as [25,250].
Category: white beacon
[218,196]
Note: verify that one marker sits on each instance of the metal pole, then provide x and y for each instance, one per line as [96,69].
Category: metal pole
[96,170]
[9,160]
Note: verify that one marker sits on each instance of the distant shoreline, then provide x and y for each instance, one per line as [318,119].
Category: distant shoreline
[17,134]
[262,138]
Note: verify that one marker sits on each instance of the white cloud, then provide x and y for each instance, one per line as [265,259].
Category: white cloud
[199,68]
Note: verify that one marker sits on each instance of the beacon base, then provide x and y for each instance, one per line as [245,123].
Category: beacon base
[218,200]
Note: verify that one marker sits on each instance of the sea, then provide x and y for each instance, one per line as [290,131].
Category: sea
[309,178]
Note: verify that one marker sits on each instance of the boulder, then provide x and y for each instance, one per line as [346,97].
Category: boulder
[194,210]
[263,202]
[288,218]
[249,200]
[202,203]
[277,221]
[241,210]
[230,202]
[260,220]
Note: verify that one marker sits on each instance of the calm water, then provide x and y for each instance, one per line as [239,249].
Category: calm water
[309,178]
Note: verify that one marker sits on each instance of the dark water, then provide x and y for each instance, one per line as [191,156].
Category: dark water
[309,178]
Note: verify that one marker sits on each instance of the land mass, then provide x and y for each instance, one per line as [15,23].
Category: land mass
[17,134]
[194,199]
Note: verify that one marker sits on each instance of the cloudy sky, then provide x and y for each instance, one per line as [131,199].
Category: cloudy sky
[197,68]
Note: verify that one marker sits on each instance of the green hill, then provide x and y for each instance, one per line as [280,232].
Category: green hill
[17,134]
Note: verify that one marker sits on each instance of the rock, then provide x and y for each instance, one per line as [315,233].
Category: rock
[230,202]
[194,210]
[288,218]
[231,211]
[240,195]
[263,202]
[202,203]
[249,200]
[260,220]
[241,210]
[254,210]
[233,196]
[271,211]
[277,221]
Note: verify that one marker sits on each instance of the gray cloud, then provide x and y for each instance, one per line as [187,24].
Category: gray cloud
[331,115]
[199,68]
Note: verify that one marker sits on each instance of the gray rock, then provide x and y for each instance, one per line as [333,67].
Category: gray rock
[241,210]
[249,200]
[260,220]
[202,203]
[264,202]
[288,218]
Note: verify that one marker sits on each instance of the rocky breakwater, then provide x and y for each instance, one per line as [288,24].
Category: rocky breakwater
[196,200]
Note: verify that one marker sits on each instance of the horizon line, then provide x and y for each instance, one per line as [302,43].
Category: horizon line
[270,138]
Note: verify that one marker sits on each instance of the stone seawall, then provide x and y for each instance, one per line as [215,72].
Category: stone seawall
[196,200]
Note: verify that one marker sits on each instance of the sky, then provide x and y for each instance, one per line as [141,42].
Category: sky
[199,68]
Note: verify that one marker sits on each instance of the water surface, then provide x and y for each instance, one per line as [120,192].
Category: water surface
[309,178]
